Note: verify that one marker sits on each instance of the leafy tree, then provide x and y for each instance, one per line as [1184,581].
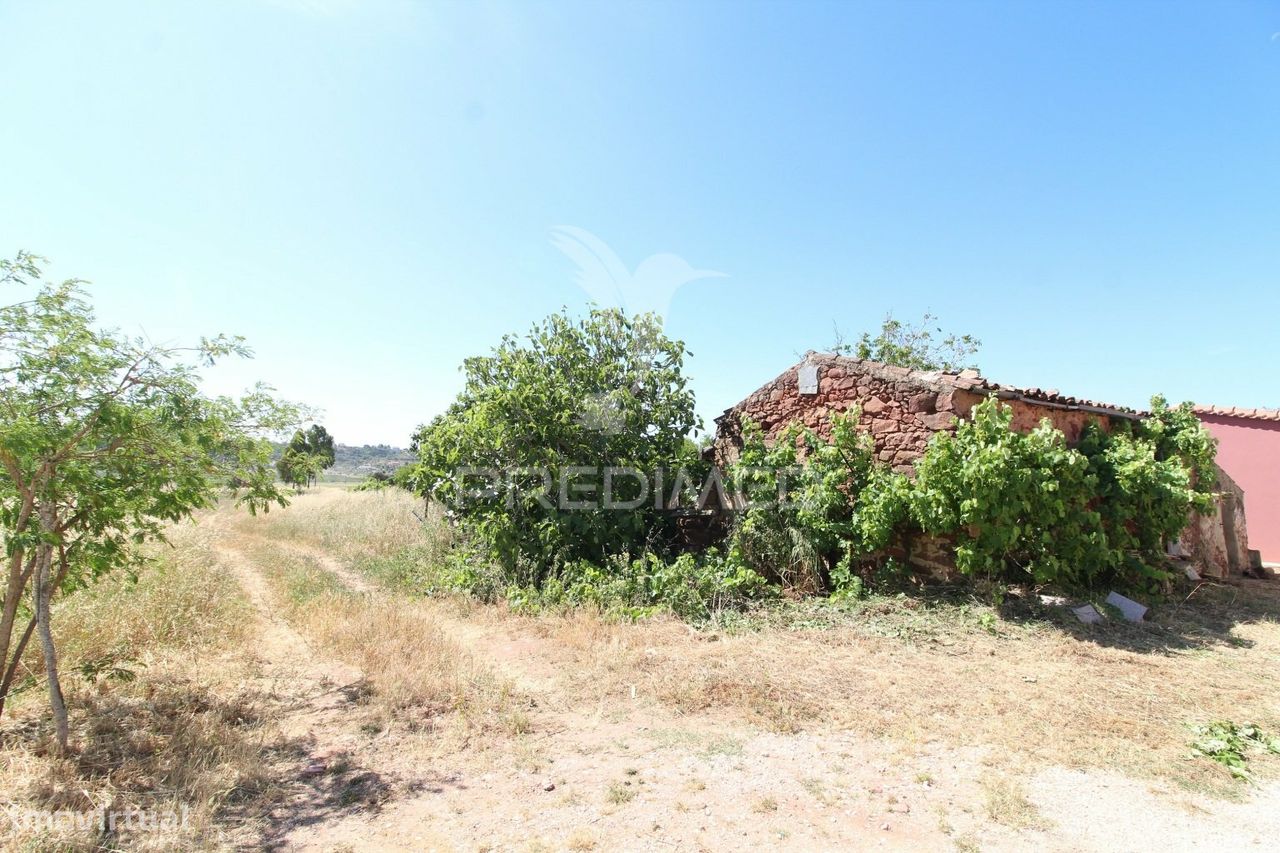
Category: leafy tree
[320,443]
[913,345]
[305,456]
[571,400]
[104,440]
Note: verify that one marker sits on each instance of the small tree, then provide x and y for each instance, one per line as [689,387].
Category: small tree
[913,345]
[104,440]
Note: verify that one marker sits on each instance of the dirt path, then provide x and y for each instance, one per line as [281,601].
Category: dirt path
[353,581]
[313,683]
[322,762]
[627,772]
[624,775]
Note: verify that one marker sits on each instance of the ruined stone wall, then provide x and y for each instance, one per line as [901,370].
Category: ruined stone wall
[1219,543]
[900,411]
[1027,416]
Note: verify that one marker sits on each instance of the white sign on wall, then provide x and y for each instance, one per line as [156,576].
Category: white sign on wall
[809,379]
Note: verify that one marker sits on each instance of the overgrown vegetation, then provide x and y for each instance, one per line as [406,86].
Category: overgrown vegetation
[1020,508]
[920,346]
[544,420]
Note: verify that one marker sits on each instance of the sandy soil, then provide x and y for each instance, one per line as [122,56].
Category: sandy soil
[633,774]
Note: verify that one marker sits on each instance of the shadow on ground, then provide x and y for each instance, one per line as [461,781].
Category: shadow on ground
[1197,616]
[172,742]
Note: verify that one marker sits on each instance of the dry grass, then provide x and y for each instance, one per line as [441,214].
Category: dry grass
[370,531]
[1006,803]
[184,733]
[178,602]
[1034,692]
[1031,687]
[412,670]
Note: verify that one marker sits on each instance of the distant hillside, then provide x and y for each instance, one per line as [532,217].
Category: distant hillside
[356,462]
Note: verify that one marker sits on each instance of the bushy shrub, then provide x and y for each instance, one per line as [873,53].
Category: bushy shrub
[603,392]
[1027,508]
[1019,507]
[813,506]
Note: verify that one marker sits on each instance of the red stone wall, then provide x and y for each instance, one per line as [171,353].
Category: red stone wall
[1027,416]
[901,408]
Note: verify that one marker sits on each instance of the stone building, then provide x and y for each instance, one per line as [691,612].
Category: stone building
[903,408]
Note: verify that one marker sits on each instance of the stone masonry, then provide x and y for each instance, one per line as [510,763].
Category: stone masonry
[900,408]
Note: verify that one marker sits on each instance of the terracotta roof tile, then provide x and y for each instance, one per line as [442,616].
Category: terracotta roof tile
[1258,414]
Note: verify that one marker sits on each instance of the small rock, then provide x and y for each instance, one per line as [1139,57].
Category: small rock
[548,785]
[314,769]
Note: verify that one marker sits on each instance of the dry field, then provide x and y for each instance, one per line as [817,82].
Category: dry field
[278,678]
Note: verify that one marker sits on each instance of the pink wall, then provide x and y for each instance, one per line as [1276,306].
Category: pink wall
[1249,451]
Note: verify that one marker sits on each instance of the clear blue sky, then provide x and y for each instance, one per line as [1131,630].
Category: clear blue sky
[366,190]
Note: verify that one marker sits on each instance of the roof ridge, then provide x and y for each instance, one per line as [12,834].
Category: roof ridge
[1256,413]
[970,379]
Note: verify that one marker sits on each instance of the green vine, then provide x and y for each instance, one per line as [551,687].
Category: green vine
[1019,507]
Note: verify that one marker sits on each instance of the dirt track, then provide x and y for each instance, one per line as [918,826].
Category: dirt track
[633,774]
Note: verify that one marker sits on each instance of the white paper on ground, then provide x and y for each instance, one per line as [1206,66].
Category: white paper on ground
[1132,610]
[1087,614]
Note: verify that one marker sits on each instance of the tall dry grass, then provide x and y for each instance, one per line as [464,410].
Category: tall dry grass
[160,718]
[387,535]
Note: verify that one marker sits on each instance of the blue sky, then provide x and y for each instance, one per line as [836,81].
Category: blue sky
[367,190]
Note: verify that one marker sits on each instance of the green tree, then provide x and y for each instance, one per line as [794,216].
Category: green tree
[920,346]
[305,456]
[572,400]
[103,441]
[320,443]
